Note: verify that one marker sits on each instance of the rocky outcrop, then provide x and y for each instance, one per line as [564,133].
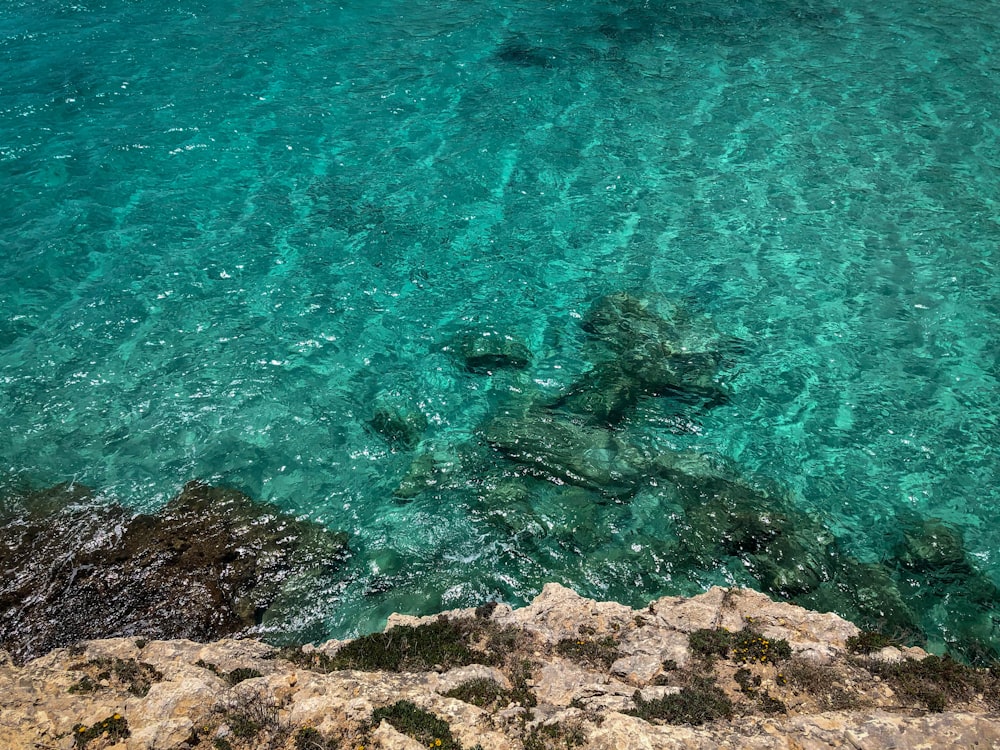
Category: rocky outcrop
[210,563]
[564,671]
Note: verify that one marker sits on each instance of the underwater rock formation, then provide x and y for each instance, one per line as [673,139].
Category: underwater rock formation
[556,448]
[485,351]
[936,573]
[437,468]
[397,420]
[646,346]
[206,565]
[519,53]
[929,544]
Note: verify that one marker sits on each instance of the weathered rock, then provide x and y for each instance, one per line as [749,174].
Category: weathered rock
[812,634]
[208,564]
[559,612]
[833,730]
[487,351]
[561,684]
[191,706]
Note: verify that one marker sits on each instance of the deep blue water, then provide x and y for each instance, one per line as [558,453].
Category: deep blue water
[228,229]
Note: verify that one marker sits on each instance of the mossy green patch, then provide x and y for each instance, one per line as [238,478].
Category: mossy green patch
[443,644]
[308,738]
[482,692]
[698,702]
[415,722]
[562,735]
[234,677]
[601,652]
[750,646]
[249,712]
[710,642]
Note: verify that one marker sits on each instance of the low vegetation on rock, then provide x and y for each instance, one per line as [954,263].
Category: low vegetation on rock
[563,673]
[415,722]
[134,676]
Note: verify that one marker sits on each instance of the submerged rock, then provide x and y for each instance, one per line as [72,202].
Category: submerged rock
[934,567]
[783,549]
[625,322]
[436,468]
[554,447]
[606,394]
[206,565]
[930,545]
[646,346]
[398,421]
[523,55]
[486,351]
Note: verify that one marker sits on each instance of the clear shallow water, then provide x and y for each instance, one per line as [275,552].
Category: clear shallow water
[225,229]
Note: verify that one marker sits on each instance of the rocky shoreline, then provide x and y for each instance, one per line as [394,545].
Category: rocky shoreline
[727,669]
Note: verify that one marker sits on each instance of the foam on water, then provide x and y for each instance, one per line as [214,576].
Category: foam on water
[226,228]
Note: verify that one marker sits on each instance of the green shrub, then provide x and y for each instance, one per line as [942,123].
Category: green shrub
[520,674]
[771,705]
[308,738]
[868,642]
[114,726]
[710,642]
[250,712]
[421,725]
[555,736]
[482,692]
[697,703]
[136,677]
[936,681]
[750,646]
[442,644]
[84,685]
[241,673]
[747,681]
[406,648]
[601,652]
[232,678]
[822,683]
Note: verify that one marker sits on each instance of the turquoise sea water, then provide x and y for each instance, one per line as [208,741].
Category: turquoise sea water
[228,229]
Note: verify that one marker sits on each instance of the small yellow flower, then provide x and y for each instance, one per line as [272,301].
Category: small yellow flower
[81,729]
[437,743]
[116,717]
